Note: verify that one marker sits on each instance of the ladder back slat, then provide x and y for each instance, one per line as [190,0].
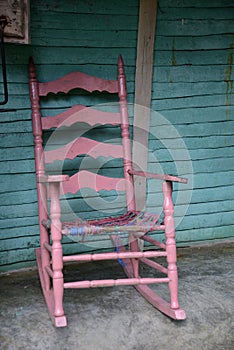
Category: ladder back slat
[80,114]
[87,179]
[84,146]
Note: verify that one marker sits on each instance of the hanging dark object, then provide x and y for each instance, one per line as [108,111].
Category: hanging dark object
[3,23]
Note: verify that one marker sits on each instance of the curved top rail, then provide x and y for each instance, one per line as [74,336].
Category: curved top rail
[78,80]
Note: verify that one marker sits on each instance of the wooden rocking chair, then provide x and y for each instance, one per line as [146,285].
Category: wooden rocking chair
[136,226]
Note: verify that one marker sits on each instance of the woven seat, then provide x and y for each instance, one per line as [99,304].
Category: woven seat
[132,221]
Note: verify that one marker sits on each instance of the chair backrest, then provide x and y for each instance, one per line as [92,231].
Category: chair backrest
[83,145]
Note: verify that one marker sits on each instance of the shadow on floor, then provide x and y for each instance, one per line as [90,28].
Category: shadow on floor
[119,318]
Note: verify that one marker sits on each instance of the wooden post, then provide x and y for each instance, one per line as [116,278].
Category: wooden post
[143,86]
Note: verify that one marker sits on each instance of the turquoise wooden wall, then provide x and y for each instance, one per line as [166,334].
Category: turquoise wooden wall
[192,91]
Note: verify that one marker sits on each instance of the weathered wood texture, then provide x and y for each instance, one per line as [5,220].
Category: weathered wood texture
[143,88]
[192,89]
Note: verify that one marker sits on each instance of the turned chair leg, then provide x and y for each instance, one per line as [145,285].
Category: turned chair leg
[44,235]
[168,208]
[57,253]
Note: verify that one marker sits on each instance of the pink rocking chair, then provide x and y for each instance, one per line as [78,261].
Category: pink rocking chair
[136,226]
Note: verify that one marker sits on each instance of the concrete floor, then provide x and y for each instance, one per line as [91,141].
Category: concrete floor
[119,318]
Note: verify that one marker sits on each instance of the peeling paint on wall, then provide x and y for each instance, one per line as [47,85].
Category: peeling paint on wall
[228,78]
[173,59]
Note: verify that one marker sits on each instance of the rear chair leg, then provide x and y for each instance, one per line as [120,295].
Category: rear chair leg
[134,247]
[45,261]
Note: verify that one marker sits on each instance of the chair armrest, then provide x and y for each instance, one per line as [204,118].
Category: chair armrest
[158,176]
[52,178]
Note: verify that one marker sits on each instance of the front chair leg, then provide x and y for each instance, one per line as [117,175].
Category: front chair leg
[168,208]
[57,254]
